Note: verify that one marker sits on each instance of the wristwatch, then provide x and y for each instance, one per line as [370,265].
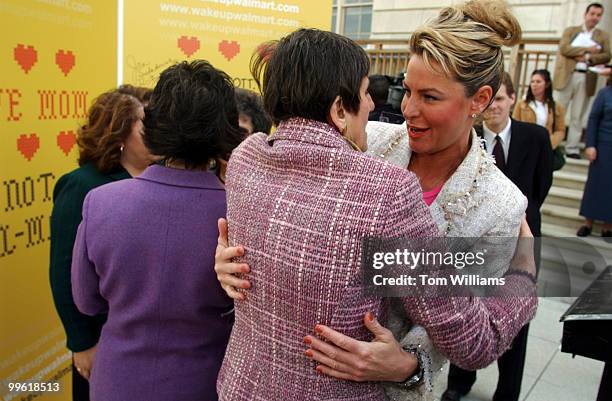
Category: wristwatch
[417,377]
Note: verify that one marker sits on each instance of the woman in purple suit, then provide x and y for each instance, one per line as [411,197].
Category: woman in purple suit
[144,251]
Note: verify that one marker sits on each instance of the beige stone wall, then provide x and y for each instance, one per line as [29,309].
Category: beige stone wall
[396,19]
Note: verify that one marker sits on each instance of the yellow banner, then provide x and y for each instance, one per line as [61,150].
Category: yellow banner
[56,57]
[224,32]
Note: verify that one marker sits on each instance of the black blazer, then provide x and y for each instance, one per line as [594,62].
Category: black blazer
[530,166]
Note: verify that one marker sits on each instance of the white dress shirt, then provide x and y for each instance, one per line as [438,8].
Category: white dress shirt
[583,39]
[504,135]
[541,112]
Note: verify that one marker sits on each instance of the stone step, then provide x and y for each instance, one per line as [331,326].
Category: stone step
[561,216]
[564,197]
[566,232]
[576,166]
[570,239]
[569,180]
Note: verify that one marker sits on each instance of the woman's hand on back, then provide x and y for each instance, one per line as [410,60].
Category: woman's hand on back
[343,357]
[226,269]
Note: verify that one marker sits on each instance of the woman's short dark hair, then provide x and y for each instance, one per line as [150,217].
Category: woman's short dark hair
[305,72]
[548,93]
[250,104]
[192,114]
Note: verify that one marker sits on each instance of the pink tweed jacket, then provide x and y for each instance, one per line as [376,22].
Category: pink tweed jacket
[300,202]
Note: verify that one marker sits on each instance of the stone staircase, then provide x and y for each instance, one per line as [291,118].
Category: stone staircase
[560,212]
[563,254]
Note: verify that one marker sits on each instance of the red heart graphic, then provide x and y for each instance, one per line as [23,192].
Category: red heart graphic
[188,45]
[66,140]
[26,57]
[28,145]
[229,49]
[65,61]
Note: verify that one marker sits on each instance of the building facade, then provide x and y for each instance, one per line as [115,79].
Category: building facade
[396,19]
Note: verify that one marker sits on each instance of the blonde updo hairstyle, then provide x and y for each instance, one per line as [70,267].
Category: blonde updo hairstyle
[466,42]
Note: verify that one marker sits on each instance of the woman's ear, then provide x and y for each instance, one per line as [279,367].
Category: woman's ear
[337,114]
[481,99]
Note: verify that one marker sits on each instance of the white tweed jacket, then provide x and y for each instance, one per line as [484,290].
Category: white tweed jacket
[478,202]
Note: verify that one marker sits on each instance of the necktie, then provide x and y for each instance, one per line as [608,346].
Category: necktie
[498,153]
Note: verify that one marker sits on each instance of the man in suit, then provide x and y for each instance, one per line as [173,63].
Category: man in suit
[580,47]
[524,154]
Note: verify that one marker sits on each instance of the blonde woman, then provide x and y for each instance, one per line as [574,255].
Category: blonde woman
[466,194]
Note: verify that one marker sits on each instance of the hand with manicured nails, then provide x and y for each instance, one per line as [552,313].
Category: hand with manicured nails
[225,268]
[381,359]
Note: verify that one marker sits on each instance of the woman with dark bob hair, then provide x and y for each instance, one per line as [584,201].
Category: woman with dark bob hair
[317,197]
[110,149]
[144,252]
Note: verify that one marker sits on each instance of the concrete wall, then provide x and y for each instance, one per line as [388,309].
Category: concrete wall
[396,19]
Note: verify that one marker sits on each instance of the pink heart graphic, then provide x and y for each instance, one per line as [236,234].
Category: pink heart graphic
[26,57]
[188,45]
[66,140]
[229,49]
[28,145]
[65,60]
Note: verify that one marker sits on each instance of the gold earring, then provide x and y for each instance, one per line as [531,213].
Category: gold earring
[344,129]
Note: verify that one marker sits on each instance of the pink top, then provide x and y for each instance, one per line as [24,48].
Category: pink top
[430,196]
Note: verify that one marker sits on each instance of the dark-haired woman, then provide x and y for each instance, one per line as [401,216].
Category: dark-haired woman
[110,149]
[322,197]
[144,252]
[251,115]
[540,108]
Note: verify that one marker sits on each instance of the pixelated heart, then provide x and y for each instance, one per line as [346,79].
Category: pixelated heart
[188,45]
[28,145]
[65,60]
[26,57]
[229,49]
[66,140]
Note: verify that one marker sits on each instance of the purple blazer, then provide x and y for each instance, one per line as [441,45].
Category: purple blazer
[144,253]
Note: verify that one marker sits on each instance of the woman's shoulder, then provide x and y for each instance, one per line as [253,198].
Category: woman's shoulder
[523,103]
[389,142]
[523,107]
[380,135]
[78,181]
[606,92]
